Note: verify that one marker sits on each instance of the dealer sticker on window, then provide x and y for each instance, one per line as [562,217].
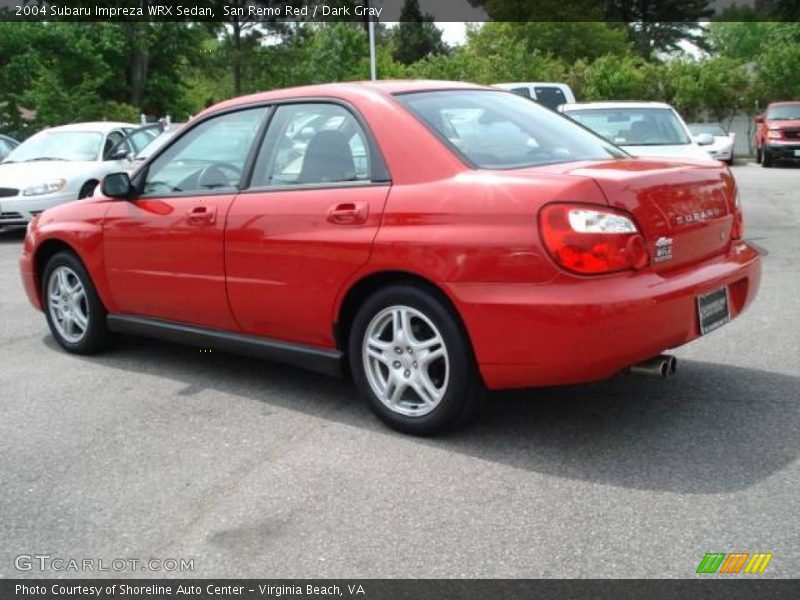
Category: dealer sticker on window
[713,310]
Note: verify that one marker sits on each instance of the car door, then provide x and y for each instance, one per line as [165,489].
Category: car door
[164,250]
[306,223]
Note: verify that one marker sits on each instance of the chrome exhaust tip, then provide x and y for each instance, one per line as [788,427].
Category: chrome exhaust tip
[661,366]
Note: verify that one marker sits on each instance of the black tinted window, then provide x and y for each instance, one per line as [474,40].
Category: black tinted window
[551,97]
[498,130]
[522,91]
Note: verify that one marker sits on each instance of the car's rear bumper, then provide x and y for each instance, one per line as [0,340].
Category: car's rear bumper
[577,330]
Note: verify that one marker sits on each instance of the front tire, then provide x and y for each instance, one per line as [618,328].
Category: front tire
[759,155]
[76,317]
[412,361]
[766,160]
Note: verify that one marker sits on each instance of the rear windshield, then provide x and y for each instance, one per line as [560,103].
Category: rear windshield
[551,97]
[499,130]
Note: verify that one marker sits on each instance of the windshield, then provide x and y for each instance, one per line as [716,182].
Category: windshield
[785,112]
[709,128]
[59,145]
[499,130]
[634,126]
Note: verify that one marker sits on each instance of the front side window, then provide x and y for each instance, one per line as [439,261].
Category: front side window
[312,144]
[498,130]
[209,158]
[114,138]
[634,126]
[59,145]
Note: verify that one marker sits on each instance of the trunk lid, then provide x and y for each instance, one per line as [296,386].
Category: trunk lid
[685,210]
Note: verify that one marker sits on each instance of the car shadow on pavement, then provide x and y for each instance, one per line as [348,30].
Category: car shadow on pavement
[12,236]
[712,428]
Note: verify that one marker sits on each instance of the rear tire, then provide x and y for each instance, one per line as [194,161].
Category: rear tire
[758,155]
[76,317]
[412,362]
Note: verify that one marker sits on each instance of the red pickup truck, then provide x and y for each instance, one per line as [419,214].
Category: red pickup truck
[778,133]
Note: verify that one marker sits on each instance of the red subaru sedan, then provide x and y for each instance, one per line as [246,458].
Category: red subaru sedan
[432,238]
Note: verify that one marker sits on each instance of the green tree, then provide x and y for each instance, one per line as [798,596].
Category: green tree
[619,78]
[416,36]
[719,85]
[660,26]
[490,56]
[566,40]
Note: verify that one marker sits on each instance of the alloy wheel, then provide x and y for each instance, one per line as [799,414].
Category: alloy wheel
[406,361]
[67,304]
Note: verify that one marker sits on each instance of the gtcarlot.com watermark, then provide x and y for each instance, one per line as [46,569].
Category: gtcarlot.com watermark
[48,562]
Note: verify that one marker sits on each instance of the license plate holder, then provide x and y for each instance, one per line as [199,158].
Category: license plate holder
[713,310]
[797,153]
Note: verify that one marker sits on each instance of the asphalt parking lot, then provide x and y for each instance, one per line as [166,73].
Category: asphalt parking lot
[253,469]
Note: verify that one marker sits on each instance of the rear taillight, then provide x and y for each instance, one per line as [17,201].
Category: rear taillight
[737,230]
[592,240]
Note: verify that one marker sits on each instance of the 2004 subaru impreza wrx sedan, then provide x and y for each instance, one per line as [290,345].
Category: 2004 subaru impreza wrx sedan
[433,238]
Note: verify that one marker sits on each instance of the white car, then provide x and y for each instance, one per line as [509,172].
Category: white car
[58,165]
[641,128]
[724,143]
[550,94]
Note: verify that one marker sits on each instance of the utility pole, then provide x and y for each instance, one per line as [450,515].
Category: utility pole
[373,71]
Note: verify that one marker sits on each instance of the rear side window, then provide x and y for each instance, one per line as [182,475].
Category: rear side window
[312,144]
[549,96]
[522,91]
[498,130]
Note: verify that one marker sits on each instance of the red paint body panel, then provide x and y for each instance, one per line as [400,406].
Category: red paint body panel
[574,330]
[164,258]
[286,260]
[275,264]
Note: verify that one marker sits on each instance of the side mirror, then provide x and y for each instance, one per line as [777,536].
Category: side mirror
[704,139]
[759,118]
[118,185]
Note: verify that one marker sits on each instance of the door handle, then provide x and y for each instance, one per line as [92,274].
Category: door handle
[202,214]
[349,213]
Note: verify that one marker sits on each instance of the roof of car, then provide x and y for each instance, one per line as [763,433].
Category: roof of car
[99,126]
[784,102]
[616,104]
[347,90]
